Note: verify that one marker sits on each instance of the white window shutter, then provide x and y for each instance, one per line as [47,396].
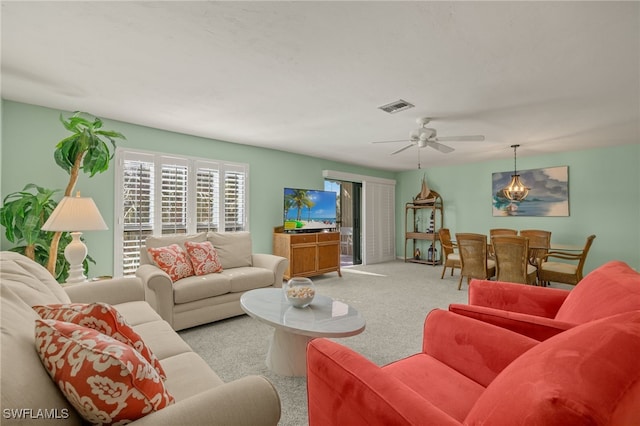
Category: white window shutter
[379,241]
[163,194]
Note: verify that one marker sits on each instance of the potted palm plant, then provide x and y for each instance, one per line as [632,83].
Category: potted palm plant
[88,149]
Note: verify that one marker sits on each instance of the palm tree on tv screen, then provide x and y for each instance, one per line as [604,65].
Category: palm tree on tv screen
[299,199]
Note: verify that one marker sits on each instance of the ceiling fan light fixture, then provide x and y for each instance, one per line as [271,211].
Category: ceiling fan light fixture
[515,190]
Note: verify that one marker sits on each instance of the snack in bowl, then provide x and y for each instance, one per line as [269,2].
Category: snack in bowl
[299,291]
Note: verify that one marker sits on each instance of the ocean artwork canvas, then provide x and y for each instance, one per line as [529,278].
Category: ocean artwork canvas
[548,193]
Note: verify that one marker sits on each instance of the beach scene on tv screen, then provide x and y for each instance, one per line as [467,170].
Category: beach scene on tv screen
[306,209]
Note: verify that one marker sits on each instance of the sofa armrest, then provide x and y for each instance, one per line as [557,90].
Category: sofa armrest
[249,401]
[539,328]
[526,299]
[111,291]
[344,388]
[274,263]
[158,290]
[475,349]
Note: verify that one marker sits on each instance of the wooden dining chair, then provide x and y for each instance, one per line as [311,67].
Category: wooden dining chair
[539,243]
[502,231]
[564,272]
[473,257]
[499,231]
[512,259]
[449,251]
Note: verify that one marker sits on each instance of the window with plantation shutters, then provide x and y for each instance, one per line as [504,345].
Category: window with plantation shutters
[207,199]
[173,196]
[234,199]
[161,194]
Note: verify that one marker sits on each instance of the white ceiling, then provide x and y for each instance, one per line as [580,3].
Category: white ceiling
[309,76]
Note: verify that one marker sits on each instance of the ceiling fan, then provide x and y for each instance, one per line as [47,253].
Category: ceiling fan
[425,136]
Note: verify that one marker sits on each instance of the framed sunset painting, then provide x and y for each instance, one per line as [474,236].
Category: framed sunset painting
[548,193]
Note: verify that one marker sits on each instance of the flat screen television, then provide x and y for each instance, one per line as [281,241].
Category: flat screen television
[309,210]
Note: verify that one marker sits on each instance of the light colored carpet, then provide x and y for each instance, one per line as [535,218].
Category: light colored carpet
[393,297]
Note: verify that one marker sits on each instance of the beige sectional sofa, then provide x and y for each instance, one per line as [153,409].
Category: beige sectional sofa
[201,299]
[30,396]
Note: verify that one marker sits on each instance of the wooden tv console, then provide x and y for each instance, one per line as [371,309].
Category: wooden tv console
[309,254]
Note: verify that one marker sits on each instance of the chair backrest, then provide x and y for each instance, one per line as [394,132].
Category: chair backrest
[473,255]
[512,257]
[539,242]
[445,241]
[502,231]
[583,257]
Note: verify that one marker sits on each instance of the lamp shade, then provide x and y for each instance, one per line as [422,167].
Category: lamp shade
[75,214]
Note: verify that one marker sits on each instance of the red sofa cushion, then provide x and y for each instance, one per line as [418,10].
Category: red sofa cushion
[608,290]
[588,375]
[437,383]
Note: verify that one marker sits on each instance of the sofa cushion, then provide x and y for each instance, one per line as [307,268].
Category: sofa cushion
[437,383]
[29,280]
[173,260]
[20,363]
[200,287]
[588,375]
[137,312]
[103,318]
[610,289]
[248,278]
[203,257]
[166,240]
[189,375]
[106,380]
[234,248]
[162,339]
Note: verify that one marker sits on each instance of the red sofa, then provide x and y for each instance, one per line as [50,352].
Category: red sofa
[542,312]
[470,372]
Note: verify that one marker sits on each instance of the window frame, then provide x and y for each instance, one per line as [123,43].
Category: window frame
[193,165]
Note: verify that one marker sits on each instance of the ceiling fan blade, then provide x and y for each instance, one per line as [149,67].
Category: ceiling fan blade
[440,147]
[399,140]
[402,149]
[469,138]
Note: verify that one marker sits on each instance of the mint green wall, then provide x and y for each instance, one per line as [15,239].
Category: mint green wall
[29,135]
[598,203]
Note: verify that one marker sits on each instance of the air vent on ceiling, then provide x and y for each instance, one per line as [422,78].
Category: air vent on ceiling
[397,106]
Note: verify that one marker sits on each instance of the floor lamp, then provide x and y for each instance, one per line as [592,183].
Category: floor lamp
[75,214]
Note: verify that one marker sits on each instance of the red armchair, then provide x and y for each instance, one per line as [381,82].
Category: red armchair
[542,312]
[471,372]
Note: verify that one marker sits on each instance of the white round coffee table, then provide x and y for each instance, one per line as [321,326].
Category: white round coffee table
[295,327]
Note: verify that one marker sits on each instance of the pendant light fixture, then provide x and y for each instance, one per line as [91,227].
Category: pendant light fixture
[515,191]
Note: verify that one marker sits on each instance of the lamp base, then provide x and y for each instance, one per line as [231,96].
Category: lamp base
[75,253]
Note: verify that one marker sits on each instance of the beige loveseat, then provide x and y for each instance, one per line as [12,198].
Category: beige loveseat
[29,393]
[200,299]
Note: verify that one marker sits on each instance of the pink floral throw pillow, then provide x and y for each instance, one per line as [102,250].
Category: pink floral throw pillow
[103,318]
[106,380]
[204,257]
[173,260]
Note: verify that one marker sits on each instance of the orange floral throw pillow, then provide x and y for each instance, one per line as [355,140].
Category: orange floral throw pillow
[106,380]
[173,260]
[103,318]
[203,257]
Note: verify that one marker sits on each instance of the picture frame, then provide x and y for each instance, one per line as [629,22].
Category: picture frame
[548,193]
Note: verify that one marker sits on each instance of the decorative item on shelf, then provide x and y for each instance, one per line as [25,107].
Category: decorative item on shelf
[299,291]
[75,214]
[424,196]
[417,254]
[431,228]
[432,254]
[515,190]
